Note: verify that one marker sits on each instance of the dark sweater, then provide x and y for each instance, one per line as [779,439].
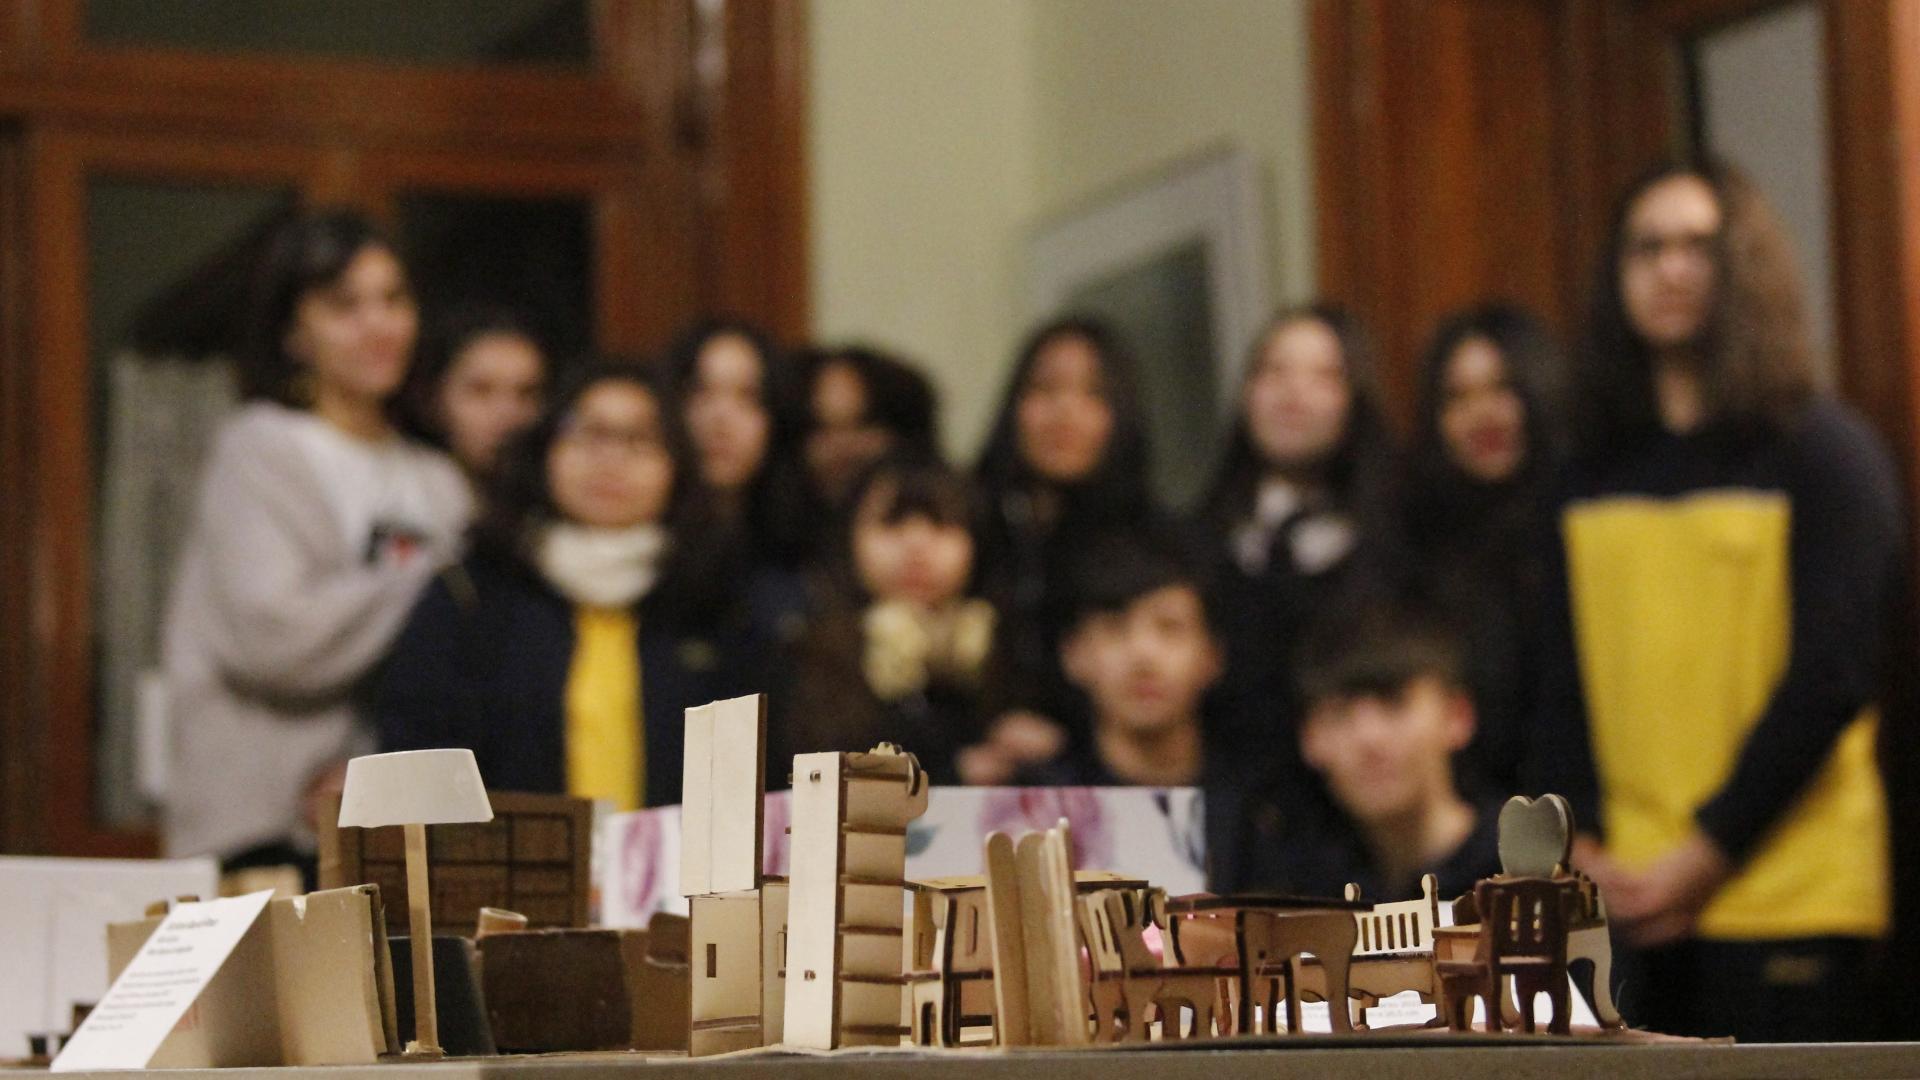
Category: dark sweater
[833,706]
[484,662]
[1320,851]
[1480,559]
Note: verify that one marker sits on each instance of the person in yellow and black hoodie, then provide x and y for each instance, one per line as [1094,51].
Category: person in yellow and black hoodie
[1730,545]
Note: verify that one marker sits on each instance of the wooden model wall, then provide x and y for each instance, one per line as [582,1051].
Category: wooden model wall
[738,916]
[531,858]
[845,950]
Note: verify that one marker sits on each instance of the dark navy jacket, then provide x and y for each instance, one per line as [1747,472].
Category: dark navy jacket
[483,664]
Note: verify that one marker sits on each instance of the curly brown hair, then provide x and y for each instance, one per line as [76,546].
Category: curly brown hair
[1756,355]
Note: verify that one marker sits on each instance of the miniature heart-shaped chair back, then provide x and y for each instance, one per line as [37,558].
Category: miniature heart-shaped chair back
[1536,835]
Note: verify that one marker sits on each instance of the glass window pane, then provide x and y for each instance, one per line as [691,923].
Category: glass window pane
[165,264]
[1163,309]
[532,255]
[1762,98]
[459,32]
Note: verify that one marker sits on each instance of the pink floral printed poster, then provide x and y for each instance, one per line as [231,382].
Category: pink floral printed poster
[1151,833]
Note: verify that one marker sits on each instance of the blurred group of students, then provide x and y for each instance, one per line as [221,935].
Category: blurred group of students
[1655,572]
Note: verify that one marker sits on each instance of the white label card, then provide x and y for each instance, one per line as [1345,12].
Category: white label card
[160,984]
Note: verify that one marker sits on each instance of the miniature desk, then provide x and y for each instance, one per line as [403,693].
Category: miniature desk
[1257,939]
[1427,1057]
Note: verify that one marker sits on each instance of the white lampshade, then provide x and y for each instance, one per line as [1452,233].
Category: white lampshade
[414,787]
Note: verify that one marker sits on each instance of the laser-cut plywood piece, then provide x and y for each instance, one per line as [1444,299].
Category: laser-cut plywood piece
[846,919]
[723,784]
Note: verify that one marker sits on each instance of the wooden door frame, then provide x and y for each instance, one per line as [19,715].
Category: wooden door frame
[59,553]
[22,741]
[1873,64]
[642,270]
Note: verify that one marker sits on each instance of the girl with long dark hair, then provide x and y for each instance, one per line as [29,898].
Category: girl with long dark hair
[1066,460]
[1486,450]
[1300,514]
[478,382]
[737,391]
[317,526]
[1731,547]
[862,405]
[565,649]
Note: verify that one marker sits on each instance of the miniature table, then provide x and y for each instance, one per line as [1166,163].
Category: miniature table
[1268,935]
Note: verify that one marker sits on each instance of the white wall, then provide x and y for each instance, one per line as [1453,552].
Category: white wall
[1125,88]
[942,132]
[920,123]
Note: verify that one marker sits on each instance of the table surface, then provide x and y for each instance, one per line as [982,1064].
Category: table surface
[1419,1056]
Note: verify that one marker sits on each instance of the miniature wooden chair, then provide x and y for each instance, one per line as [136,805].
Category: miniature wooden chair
[1200,954]
[1121,972]
[1178,991]
[1536,840]
[1040,992]
[1588,941]
[951,985]
[1522,936]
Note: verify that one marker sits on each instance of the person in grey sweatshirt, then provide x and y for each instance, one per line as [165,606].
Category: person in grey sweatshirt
[316,528]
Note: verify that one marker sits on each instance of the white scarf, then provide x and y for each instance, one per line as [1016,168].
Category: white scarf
[1319,541]
[607,568]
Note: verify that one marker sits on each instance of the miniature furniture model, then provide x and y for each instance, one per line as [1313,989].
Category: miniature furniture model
[950,966]
[950,974]
[1536,840]
[570,990]
[531,858]
[1258,940]
[737,916]
[416,788]
[1522,936]
[1122,972]
[1588,940]
[1394,953]
[1040,996]
[845,918]
[1130,985]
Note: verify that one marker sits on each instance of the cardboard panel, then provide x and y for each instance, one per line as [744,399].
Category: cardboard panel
[813,914]
[773,938]
[326,980]
[724,958]
[723,788]
[531,858]
[303,987]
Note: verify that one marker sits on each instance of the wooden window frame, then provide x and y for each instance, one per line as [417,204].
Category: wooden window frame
[698,197]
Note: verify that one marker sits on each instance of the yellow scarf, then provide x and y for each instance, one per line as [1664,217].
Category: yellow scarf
[606,725]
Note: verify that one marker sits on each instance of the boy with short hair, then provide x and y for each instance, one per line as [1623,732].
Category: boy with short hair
[1387,711]
[1141,649]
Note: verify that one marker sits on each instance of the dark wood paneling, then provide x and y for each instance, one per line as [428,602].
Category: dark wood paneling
[756,194]
[20,739]
[1441,134]
[1874,115]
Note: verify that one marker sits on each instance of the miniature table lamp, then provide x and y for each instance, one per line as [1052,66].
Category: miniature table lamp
[415,789]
